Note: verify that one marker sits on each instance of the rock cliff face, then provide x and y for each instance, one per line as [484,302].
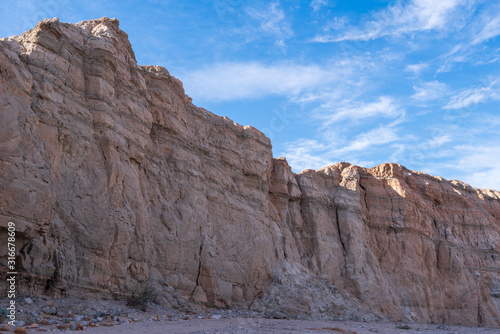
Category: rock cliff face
[114,178]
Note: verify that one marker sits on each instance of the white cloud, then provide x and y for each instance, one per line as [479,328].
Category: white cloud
[317,4]
[400,19]
[418,153]
[470,153]
[231,81]
[473,96]
[429,91]
[300,83]
[488,179]
[467,97]
[309,153]
[431,14]
[272,21]
[339,142]
[481,165]
[383,107]
[438,141]
[379,136]
[416,68]
[490,29]
[460,53]
[485,26]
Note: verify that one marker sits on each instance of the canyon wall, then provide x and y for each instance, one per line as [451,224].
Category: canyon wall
[114,178]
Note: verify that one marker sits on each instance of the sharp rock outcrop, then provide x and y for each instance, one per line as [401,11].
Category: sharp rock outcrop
[114,178]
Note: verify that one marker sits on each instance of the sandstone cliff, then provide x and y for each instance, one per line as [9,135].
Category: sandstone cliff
[113,178]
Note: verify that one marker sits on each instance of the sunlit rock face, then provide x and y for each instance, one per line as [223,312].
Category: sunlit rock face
[114,178]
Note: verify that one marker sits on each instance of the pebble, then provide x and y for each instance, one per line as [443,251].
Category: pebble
[279,315]
[49,310]
[20,330]
[80,318]
[50,303]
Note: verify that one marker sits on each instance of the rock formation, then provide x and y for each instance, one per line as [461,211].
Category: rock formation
[114,178]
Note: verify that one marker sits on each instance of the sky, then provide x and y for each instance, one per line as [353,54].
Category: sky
[413,82]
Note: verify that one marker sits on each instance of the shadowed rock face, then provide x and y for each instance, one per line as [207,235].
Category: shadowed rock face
[113,178]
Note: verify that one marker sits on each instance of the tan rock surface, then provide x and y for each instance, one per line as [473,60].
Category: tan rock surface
[114,178]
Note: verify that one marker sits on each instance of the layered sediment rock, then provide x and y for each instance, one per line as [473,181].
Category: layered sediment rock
[113,178]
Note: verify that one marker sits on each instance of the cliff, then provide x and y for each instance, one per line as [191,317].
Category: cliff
[114,178]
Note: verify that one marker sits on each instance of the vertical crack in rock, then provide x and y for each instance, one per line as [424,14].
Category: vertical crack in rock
[392,209]
[365,202]
[344,250]
[199,265]
[283,246]
[115,241]
[436,246]
[364,194]
[197,281]
[479,314]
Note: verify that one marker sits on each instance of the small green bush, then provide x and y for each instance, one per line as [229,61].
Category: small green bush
[403,327]
[140,297]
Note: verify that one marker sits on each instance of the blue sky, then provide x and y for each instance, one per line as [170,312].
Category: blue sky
[413,82]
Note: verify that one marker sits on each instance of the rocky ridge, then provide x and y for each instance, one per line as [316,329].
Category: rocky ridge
[115,179]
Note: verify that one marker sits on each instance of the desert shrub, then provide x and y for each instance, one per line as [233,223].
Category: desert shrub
[140,296]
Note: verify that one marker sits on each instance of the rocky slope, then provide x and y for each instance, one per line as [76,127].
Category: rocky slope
[114,178]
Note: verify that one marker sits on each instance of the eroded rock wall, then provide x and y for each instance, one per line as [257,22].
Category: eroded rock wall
[113,178]
[407,244]
[114,175]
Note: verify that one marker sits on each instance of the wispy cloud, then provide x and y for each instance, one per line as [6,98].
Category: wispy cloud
[490,26]
[439,141]
[272,21]
[469,152]
[405,18]
[384,106]
[460,53]
[317,4]
[309,153]
[324,83]
[416,69]
[429,91]
[484,27]
[473,96]
[482,162]
[231,81]
[379,136]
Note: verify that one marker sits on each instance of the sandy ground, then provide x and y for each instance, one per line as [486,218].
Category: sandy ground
[252,325]
[42,314]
